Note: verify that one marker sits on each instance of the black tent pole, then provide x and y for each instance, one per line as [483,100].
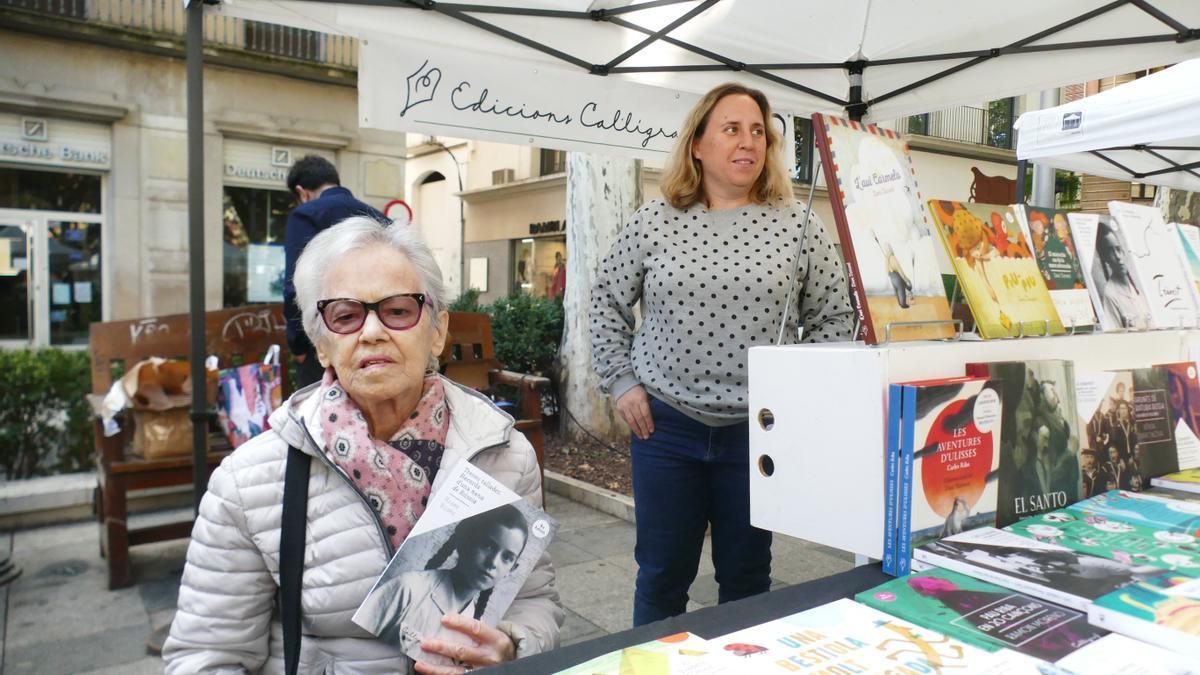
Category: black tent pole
[195,145]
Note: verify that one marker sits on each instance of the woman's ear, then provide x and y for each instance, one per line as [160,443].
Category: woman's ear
[441,328]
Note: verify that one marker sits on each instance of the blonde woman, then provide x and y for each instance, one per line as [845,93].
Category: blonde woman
[710,264]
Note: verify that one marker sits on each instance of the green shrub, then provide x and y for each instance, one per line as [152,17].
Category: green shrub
[467,302]
[45,422]
[526,331]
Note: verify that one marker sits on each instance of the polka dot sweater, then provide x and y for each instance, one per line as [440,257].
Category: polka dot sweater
[712,284]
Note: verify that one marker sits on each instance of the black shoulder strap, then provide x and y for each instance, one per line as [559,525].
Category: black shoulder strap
[291,553]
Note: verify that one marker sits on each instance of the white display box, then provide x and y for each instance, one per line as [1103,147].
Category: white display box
[829,404]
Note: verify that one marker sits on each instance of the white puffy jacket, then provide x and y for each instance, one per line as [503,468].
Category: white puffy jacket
[227,619]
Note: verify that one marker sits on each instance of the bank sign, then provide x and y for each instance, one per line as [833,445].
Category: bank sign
[432,89]
[54,142]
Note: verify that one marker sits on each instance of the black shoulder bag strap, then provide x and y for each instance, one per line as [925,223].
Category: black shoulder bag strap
[291,553]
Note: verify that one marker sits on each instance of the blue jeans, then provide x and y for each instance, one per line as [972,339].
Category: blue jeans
[686,476]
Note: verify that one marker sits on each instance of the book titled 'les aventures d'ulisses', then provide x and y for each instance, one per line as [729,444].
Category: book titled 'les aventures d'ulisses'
[884,229]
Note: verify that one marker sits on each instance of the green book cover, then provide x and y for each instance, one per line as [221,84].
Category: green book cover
[1126,542]
[983,614]
[1164,611]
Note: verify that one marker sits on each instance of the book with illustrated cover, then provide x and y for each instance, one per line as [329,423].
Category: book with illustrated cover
[1187,480]
[846,637]
[1039,436]
[678,654]
[1139,508]
[1119,303]
[1115,654]
[469,553]
[1043,570]
[1171,493]
[1128,543]
[1189,240]
[982,614]
[1127,425]
[1157,262]
[950,466]
[1050,236]
[996,268]
[1183,386]
[1163,611]
[884,229]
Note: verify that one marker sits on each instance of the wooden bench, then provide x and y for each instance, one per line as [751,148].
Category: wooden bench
[469,358]
[235,336]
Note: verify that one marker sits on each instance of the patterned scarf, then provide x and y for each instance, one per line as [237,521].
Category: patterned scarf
[395,476]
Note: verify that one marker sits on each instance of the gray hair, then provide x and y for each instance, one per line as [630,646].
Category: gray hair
[354,234]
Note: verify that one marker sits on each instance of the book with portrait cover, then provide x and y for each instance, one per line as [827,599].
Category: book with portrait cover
[1128,543]
[1158,512]
[884,229]
[1039,436]
[1054,249]
[996,268]
[1043,570]
[1157,258]
[1128,435]
[469,553]
[847,637]
[983,614]
[1183,387]
[949,469]
[1163,611]
[678,654]
[1119,303]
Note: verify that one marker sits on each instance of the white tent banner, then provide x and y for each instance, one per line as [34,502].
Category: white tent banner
[424,88]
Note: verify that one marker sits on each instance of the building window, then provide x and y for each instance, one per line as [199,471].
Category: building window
[74,257]
[254,220]
[551,161]
[540,266]
[49,191]
[296,43]
[74,9]
[804,149]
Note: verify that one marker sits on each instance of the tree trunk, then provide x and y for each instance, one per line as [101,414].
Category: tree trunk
[602,193]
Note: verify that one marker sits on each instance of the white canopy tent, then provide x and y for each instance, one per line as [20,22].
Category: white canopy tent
[1146,131]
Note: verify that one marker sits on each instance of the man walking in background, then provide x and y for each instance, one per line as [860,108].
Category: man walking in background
[323,202]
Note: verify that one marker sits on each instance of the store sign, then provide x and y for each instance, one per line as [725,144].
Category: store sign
[547,226]
[257,164]
[271,174]
[408,86]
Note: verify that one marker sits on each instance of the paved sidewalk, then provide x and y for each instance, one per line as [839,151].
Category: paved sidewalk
[59,617]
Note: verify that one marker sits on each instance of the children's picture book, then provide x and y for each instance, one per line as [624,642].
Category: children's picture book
[1183,385]
[996,268]
[884,229]
[678,654]
[1115,654]
[1119,303]
[1049,233]
[951,439]
[1040,569]
[1189,239]
[983,614]
[1162,513]
[1158,263]
[846,637]
[1163,611]
[469,553]
[1128,543]
[1039,436]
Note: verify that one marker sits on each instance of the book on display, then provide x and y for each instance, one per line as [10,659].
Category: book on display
[983,614]
[1183,386]
[1049,234]
[1163,611]
[1187,480]
[1119,303]
[884,228]
[1189,240]
[1039,436]
[1127,425]
[1157,258]
[678,654]
[1039,569]
[1125,542]
[949,470]
[996,268]
[891,491]
[1162,513]
[1115,654]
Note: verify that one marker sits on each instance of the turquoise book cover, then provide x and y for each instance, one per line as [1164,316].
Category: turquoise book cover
[1163,611]
[1128,543]
[983,614]
[1141,509]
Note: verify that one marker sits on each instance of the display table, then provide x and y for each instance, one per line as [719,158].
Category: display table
[709,622]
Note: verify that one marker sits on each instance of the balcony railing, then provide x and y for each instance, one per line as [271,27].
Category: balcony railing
[168,17]
[962,124]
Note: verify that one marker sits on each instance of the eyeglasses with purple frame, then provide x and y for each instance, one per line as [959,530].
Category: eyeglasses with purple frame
[348,315]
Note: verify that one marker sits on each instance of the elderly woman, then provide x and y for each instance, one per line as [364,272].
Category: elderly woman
[380,428]
[711,265]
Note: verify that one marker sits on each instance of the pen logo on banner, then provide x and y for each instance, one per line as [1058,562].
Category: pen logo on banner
[422,85]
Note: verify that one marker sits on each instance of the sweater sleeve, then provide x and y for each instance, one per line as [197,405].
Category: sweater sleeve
[227,593]
[618,288]
[535,615]
[825,310]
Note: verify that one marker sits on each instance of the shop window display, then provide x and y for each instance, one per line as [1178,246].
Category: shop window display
[540,266]
[254,220]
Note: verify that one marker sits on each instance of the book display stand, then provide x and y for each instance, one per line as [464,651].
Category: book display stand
[818,412]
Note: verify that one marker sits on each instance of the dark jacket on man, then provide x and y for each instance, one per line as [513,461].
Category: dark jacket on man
[333,206]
